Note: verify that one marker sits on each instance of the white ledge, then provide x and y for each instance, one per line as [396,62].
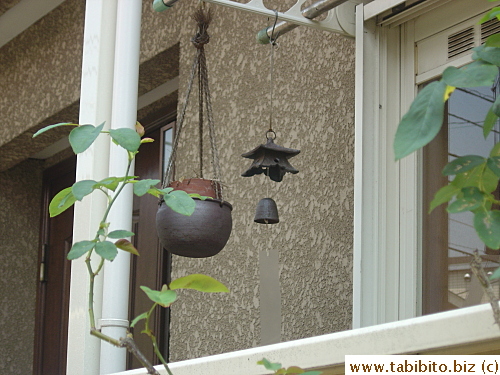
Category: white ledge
[464,331]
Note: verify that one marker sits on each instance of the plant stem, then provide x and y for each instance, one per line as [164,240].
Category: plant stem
[153,340]
[127,342]
[122,186]
[477,268]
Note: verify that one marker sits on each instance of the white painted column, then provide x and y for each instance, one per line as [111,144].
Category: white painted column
[366,257]
[114,320]
[95,107]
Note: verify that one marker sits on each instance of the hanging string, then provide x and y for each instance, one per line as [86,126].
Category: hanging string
[272,42]
[203,19]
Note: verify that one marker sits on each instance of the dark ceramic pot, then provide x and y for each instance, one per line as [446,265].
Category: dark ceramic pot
[205,232]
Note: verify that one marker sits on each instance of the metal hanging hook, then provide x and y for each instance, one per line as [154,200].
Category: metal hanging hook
[273,38]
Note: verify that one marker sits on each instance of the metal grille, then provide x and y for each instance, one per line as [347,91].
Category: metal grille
[489,28]
[460,42]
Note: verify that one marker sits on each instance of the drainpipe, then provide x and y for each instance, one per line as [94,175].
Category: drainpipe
[95,107]
[114,320]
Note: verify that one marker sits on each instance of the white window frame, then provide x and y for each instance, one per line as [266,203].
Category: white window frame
[387,194]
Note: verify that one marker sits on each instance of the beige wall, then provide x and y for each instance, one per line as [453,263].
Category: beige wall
[310,250]
[20,202]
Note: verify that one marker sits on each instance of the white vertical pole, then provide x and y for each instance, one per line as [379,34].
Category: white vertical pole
[368,279]
[95,107]
[114,320]
[358,171]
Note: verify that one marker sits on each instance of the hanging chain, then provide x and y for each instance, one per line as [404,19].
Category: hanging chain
[273,44]
[199,66]
[201,52]
[168,174]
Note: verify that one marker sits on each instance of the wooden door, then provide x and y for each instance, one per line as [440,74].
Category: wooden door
[152,267]
[51,322]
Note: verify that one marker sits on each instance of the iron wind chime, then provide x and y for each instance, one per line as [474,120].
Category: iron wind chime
[270,158]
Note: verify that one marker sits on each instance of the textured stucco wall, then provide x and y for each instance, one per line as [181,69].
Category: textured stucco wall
[313,111]
[40,81]
[20,200]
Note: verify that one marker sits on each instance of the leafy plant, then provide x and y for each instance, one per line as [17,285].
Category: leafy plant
[293,370]
[106,244]
[476,177]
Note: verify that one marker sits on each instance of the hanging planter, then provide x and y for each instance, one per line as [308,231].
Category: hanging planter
[207,230]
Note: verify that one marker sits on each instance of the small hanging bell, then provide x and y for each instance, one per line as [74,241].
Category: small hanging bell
[266,212]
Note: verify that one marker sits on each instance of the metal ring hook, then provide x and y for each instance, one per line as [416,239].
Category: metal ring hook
[273,38]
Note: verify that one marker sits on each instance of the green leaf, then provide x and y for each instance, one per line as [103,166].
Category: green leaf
[496,106]
[120,234]
[138,318]
[487,225]
[180,202]
[294,370]
[476,50]
[106,249]
[82,188]
[490,181]
[83,136]
[154,192]
[142,187]
[422,121]
[489,121]
[202,283]
[80,248]
[462,164]
[493,41]
[126,138]
[490,55]
[159,192]
[164,298]
[43,130]
[477,73]
[269,365]
[469,199]
[312,373]
[200,197]
[166,190]
[494,164]
[111,183]
[493,13]
[445,194]
[479,176]
[495,151]
[496,274]
[61,202]
[127,246]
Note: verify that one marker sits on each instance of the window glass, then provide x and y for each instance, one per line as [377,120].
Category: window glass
[167,141]
[450,239]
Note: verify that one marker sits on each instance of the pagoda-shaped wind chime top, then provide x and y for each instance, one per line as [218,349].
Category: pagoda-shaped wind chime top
[269,158]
